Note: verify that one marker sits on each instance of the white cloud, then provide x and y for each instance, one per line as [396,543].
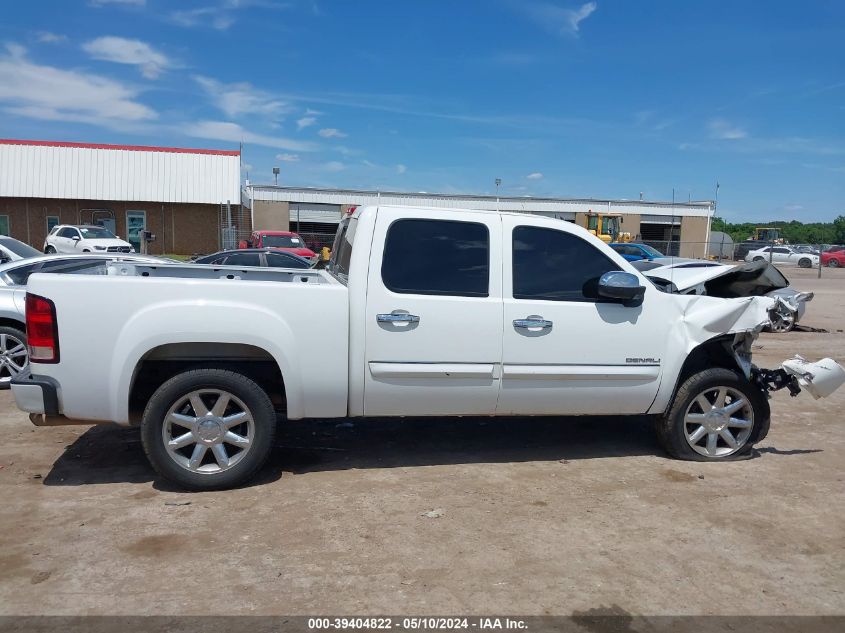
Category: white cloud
[305,121]
[125,51]
[241,98]
[220,16]
[334,166]
[46,37]
[535,176]
[102,3]
[721,129]
[330,132]
[287,158]
[558,19]
[234,133]
[214,17]
[401,169]
[48,93]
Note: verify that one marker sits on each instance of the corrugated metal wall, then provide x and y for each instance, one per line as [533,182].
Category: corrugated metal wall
[83,173]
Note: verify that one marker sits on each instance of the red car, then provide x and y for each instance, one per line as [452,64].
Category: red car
[279,240]
[834,257]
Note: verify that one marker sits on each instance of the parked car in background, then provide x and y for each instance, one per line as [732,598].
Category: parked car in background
[255,257]
[834,257]
[783,255]
[742,248]
[280,240]
[12,250]
[634,251]
[806,248]
[13,278]
[65,238]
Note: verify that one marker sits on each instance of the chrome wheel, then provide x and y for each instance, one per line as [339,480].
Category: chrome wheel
[782,323]
[13,357]
[718,422]
[208,431]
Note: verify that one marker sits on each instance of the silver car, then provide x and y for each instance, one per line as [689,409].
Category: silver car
[13,278]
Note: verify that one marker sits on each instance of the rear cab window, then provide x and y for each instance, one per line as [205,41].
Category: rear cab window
[342,249]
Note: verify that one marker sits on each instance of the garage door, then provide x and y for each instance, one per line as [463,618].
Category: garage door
[322,213]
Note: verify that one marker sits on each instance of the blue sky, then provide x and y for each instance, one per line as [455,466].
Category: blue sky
[602,99]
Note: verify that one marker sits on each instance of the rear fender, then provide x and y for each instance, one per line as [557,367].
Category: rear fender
[213,321]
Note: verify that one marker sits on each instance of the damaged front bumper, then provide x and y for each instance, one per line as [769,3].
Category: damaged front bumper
[819,379]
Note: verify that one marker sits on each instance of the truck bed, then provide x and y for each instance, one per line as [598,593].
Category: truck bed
[109,324]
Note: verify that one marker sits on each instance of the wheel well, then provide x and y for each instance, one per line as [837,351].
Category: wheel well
[18,325]
[712,353]
[163,362]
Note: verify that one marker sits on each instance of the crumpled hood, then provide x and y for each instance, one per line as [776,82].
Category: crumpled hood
[725,280]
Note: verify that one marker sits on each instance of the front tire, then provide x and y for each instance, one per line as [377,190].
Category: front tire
[50,250]
[717,415]
[833,263]
[208,429]
[13,354]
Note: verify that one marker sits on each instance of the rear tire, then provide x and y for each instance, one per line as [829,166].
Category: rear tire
[14,356]
[729,432]
[758,259]
[50,250]
[804,263]
[208,429]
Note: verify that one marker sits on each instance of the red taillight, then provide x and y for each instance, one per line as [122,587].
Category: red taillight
[42,331]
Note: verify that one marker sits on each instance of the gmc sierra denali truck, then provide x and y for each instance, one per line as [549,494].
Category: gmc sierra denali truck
[421,312]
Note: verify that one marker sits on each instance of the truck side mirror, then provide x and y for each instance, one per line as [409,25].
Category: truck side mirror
[621,287]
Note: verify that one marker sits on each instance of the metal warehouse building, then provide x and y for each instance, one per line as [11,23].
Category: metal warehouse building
[185,197]
[680,228]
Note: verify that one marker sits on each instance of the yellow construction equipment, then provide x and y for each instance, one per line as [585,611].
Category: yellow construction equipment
[607,227]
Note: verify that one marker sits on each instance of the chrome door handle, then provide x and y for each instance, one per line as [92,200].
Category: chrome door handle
[397,317]
[533,321]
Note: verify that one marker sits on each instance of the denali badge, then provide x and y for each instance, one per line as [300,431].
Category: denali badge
[643,361]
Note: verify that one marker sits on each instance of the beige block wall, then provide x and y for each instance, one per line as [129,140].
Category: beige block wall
[693,236]
[270,216]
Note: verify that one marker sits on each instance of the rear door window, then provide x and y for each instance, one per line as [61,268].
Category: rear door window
[280,260]
[437,257]
[243,259]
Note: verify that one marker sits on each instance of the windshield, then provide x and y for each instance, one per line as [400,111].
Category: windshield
[282,241]
[96,233]
[19,248]
[651,251]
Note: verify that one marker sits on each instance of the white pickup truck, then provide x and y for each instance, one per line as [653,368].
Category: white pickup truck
[422,312]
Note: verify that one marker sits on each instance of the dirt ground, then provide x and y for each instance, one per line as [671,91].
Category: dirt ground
[539,516]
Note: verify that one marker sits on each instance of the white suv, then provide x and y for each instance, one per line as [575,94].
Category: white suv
[65,238]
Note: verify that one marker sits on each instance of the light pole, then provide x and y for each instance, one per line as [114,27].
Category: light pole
[276,176]
[498,182]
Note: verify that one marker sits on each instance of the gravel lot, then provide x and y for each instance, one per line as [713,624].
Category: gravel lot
[532,516]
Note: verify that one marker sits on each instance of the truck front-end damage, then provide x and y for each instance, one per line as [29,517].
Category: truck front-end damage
[744,319]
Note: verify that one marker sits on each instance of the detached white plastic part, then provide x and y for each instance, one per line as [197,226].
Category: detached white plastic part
[819,379]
